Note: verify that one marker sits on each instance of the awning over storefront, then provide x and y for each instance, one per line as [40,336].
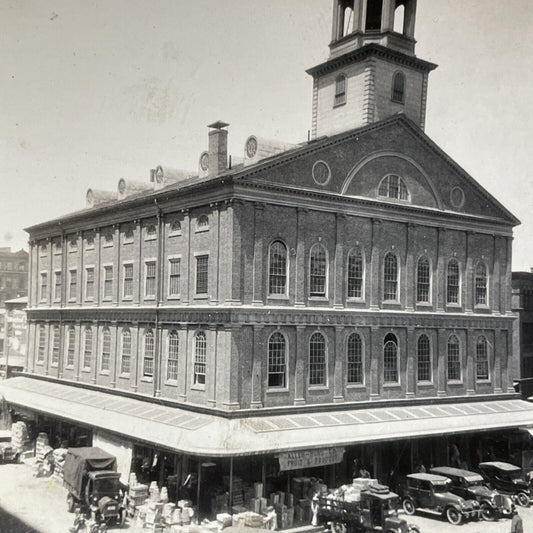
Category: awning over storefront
[185,431]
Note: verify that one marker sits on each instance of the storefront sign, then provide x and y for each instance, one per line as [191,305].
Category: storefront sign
[310,458]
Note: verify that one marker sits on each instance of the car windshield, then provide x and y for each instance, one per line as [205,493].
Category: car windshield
[513,474]
[106,486]
[441,486]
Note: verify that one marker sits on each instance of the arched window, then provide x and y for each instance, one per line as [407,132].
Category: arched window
[175,228]
[42,344]
[340,90]
[481,284]
[317,270]
[452,282]
[390,277]
[125,361]
[355,274]
[172,362]
[148,359]
[392,186]
[423,358]
[200,358]
[422,280]
[317,360]
[348,20]
[55,346]
[71,347]
[482,360]
[398,88]
[355,359]
[390,359]
[373,14]
[88,348]
[277,272]
[399,18]
[277,361]
[128,236]
[106,350]
[454,359]
[202,224]
[151,232]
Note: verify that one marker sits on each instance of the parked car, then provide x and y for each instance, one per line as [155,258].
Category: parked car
[432,493]
[507,479]
[470,486]
[8,453]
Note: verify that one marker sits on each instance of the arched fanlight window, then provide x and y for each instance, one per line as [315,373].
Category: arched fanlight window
[71,347]
[277,361]
[390,359]
[482,359]
[125,362]
[317,270]
[454,359]
[148,358]
[317,360]
[392,186]
[423,280]
[42,344]
[398,88]
[354,350]
[55,345]
[423,358]
[106,350]
[88,348]
[277,271]
[200,358]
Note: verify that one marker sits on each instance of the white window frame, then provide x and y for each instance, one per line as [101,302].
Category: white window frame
[87,268]
[355,384]
[431,372]
[325,385]
[57,297]
[325,296]
[105,266]
[201,295]
[170,259]
[125,296]
[43,275]
[196,385]
[460,284]
[398,277]
[167,371]
[105,371]
[430,287]
[75,297]
[285,294]
[287,362]
[145,295]
[363,284]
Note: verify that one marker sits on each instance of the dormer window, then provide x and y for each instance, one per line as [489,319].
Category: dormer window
[340,90]
[392,186]
[398,88]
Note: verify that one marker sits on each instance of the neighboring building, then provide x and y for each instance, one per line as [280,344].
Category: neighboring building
[523,306]
[13,274]
[14,325]
[347,297]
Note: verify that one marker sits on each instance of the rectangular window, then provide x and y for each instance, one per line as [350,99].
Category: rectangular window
[71,349]
[174,277]
[172,363]
[126,352]
[89,283]
[149,286]
[202,263]
[55,346]
[108,282]
[128,281]
[57,286]
[44,286]
[73,285]
[42,345]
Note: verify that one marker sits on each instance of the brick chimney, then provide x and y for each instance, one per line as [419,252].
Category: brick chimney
[218,148]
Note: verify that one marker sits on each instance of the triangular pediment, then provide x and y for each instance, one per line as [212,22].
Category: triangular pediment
[355,164]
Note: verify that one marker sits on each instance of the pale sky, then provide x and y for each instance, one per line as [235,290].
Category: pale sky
[96,90]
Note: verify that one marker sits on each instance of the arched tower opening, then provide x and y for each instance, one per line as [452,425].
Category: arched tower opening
[374,14]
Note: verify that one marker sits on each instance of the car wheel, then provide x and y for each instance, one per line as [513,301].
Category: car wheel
[409,506]
[454,516]
[522,499]
[413,529]
[71,504]
[487,512]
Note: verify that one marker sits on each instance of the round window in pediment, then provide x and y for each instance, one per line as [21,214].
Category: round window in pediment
[457,197]
[251,147]
[321,173]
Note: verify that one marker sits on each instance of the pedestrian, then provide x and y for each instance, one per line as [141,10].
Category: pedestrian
[364,472]
[516,523]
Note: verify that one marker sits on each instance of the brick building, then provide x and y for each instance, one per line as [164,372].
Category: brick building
[347,297]
[13,274]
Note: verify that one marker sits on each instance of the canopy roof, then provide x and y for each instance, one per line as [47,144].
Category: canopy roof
[215,435]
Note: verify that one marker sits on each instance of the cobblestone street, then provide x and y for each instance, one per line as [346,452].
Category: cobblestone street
[38,505]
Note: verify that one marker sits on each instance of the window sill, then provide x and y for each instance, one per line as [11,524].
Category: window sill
[124,376]
[480,307]
[86,369]
[39,363]
[175,234]
[354,300]
[483,382]
[278,297]
[104,372]
[108,245]
[198,387]
[453,306]
[54,365]
[318,388]
[399,102]
[173,297]
[356,386]
[72,300]
[392,385]
[146,239]
[318,299]
[89,249]
[127,298]
[335,106]
[455,383]
[69,367]
[281,390]
[425,384]
[201,230]
[150,298]
[58,253]
[125,243]
[147,379]
[89,300]
[171,382]
[428,305]
[201,297]
[107,299]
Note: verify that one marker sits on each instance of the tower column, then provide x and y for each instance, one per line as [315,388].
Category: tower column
[409,19]
[387,15]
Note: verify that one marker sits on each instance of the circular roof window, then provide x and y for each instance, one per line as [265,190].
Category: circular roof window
[321,173]
[457,197]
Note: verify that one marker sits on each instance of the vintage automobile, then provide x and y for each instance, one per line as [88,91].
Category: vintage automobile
[507,479]
[432,493]
[8,453]
[470,486]
[376,511]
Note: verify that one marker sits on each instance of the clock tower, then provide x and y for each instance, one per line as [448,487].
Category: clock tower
[372,72]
